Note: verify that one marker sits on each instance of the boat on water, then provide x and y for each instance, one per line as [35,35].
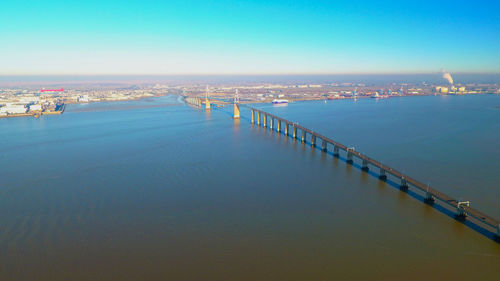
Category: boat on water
[377,96]
[276,101]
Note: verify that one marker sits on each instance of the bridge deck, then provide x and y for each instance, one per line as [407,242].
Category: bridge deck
[419,185]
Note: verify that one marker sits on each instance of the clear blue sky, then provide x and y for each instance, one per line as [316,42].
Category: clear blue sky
[248,37]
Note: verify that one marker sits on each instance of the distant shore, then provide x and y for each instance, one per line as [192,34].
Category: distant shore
[37,114]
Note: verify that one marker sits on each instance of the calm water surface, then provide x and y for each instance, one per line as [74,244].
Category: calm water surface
[155,189]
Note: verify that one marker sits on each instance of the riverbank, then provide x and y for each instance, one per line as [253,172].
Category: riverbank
[59,110]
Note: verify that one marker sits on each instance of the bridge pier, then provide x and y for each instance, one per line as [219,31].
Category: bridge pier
[303,136]
[271,121]
[258,118]
[278,125]
[207,104]
[349,156]
[236,114]
[461,214]
[404,184]
[253,117]
[336,151]
[264,121]
[313,140]
[286,128]
[323,145]
[382,175]
[364,166]
[294,132]
[429,199]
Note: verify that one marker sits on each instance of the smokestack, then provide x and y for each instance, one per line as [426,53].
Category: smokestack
[447,76]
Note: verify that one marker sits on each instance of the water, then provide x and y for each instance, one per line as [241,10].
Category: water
[449,142]
[154,189]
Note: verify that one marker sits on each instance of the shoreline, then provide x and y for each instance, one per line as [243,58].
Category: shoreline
[37,114]
[59,112]
[351,98]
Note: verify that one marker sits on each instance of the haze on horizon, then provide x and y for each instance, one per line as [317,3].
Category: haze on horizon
[260,37]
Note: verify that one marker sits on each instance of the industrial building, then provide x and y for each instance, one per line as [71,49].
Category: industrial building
[10,108]
[36,107]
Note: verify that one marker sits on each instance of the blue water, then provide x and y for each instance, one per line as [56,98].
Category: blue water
[155,189]
[449,142]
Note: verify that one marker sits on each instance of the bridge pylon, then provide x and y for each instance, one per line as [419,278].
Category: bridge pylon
[236,114]
[207,104]
[207,101]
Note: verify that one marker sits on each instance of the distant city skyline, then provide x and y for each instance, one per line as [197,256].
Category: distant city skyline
[261,37]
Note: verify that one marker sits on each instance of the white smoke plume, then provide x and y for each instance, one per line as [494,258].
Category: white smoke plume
[447,76]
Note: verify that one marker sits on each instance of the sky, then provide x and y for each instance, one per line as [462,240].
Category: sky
[248,37]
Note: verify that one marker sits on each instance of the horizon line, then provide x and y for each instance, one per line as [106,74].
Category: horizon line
[246,74]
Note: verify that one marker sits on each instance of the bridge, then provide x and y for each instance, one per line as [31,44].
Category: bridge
[209,102]
[462,209]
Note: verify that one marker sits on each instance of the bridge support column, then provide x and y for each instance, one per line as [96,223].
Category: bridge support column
[253,117]
[404,184]
[313,140]
[303,136]
[278,125]
[294,132]
[323,145]
[349,156]
[336,151]
[382,175]
[461,214]
[258,118]
[429,199]
[271,121]
[264,121]
[207,104]
[364,166]
[236,111]
[287,127]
